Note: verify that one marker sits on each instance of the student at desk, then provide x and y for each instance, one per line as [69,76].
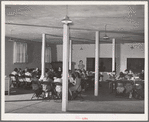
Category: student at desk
[38,72]
[34,78]
[47,85]
[14,78]
[76,80]
[15,72]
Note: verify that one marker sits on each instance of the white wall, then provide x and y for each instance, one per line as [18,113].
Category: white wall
[127,52]
[88,51]
[34,56]
[105,51]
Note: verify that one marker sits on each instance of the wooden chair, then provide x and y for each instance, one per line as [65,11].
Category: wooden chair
[58,89]
[119,85]
[77,93]
[28,81]
[138,90]
[37,90]
[46,88]
[14,80]
[21,80]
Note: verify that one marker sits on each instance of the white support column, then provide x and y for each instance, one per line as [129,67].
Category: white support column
[96,64]
[70,54]
[43,57]
[113,54]
[65,67]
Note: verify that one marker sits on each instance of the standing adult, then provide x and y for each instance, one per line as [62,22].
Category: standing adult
[81,65]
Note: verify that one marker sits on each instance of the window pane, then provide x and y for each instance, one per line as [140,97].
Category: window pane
[20,52]
[48,55]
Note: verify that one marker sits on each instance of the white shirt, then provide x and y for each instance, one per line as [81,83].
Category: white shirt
[59,80]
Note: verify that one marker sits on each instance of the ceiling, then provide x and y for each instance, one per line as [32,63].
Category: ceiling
[125,23]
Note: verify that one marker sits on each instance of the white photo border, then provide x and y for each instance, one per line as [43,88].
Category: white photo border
[72,117]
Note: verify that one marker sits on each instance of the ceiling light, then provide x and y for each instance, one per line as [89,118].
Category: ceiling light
[105,36]
[81,48]
[66,20]
[132,47]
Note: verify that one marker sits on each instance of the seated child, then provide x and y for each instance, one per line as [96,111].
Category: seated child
[28,75]
[14,78]
[14,72]
[129,89]
[58,85]
[121,76]
[47,85]
[76,79]
[120,88]
[36,86]
[38,72]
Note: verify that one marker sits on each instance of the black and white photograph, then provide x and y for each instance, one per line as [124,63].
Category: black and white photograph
[74,60]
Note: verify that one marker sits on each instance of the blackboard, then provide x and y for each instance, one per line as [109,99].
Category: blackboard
[105,64]
[135,64]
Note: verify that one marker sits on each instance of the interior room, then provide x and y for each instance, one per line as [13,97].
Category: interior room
[107,39]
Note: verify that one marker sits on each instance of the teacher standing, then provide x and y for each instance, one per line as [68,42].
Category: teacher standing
[81,65]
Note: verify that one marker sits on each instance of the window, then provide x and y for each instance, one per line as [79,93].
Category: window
[48,55]
[135,64]
[20,52]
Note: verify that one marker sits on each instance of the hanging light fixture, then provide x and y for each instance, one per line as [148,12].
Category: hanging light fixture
[81,48]
[132,47]
[105,36]
[66,20]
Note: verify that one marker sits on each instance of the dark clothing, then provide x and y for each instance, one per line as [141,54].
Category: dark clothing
[141,76]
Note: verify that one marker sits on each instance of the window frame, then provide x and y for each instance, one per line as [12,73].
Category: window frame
[15,57]
[46,55]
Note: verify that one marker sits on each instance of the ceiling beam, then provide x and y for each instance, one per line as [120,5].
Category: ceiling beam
[77,39]
[79,29]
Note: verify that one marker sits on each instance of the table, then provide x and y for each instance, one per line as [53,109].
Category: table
[91,80]
[115,83]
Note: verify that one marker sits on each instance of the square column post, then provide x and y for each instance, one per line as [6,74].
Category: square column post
[70,55]
[43,57]
[96,63]
[66,21]
[113,54]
